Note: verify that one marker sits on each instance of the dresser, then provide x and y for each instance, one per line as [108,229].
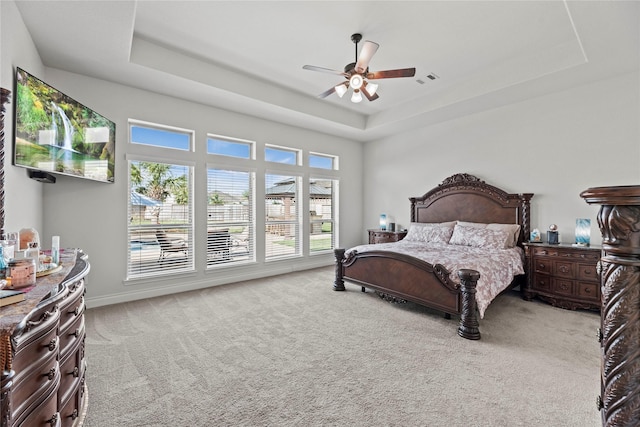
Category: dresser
[383,236]
[564,275]
[42,350]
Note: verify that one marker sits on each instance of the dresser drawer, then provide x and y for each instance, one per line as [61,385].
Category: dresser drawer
[72,306]
[588,272]
[562,287]
[33,352]
[565,269]
[589,290]
[70,337]
[44,415]
[33,383]
[541,282]
[543,266]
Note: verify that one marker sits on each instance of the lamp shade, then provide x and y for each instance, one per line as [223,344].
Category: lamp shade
[356,97]
[356,81]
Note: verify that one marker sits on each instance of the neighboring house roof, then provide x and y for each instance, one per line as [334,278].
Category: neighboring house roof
[288,188]
[138,199]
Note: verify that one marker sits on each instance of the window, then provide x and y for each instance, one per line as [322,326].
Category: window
[230,216]
[148,135]
[160,205]
[282,222]
[282,155]
[228,147]
[322,161]
[322,196]
[160,219]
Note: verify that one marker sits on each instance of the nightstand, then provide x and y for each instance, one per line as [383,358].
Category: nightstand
[382,236]
[563,275]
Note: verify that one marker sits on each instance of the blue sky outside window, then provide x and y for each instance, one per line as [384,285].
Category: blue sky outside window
[160,138]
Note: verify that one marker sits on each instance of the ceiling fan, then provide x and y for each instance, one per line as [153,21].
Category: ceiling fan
[357,73]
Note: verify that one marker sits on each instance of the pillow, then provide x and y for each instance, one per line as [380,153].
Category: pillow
[430,232]
[479,237]
[513,229]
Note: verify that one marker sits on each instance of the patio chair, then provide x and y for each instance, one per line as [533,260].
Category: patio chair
[168,246]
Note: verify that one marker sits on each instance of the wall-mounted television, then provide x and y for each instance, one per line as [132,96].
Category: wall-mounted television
[57,134]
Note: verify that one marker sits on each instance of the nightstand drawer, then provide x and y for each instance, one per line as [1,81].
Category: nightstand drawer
[588,272]
[543,266]
[564,269]
[563,286]
[383,236]
[588,290]
[542,283]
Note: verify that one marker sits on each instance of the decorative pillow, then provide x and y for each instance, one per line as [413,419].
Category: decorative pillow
[430,232]
[512,229]
[479,237]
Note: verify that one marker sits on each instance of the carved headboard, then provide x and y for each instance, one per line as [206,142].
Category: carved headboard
[4,98]
[465,197]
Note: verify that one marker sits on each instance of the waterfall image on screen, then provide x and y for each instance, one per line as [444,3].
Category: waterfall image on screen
[55,133]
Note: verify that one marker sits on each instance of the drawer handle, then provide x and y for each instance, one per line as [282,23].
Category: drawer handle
[76,311]
[53,344]
[77,333]
[51,374]
[587,290]
[53,420]
[564,286]
[76,372]
[74,415]
[599,334]
[563,269]
[543,252]
[542,266]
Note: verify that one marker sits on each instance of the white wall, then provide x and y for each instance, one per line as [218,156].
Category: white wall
[93,216]
[555,146]
[23,196]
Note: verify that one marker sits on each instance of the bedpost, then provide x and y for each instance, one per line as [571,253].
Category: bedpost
[338,285]
[469,326]
[525,215]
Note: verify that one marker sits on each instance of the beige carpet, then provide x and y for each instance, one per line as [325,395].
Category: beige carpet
[289,351]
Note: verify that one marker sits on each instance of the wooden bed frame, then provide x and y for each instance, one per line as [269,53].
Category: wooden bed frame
[401,277]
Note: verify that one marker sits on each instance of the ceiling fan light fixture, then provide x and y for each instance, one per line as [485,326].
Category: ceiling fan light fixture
[356,97]
[371,88]
[341,89]
[356,81]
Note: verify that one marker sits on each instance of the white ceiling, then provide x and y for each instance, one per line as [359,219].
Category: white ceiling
[247,56]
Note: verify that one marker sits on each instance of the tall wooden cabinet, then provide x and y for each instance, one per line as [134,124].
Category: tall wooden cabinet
[619,334]
[42,351]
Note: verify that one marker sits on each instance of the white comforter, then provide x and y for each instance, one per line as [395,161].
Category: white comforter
[497,267]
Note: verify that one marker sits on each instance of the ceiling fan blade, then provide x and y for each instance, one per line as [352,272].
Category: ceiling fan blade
[324,70]
[327,92]
[366,53]
[368,95]
[390,74]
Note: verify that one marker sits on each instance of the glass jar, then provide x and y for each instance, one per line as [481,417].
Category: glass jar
[21,272]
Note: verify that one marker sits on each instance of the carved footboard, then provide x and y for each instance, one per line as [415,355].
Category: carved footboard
[411,279]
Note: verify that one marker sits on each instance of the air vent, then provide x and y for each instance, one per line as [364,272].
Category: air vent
[428,77]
